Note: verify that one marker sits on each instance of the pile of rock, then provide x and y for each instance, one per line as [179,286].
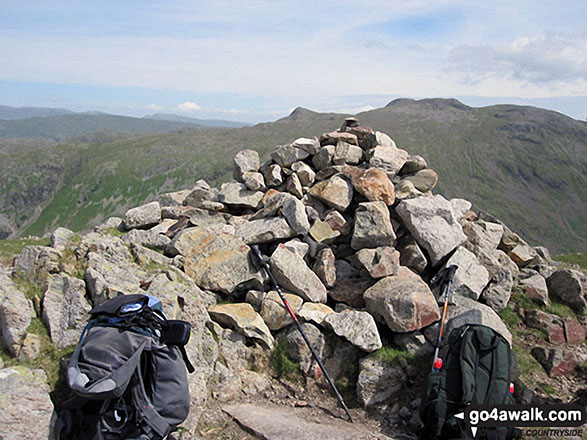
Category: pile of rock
[352,232]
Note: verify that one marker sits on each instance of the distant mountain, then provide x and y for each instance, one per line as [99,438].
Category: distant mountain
[525,165]
[7,112]
[205,122]
[61,127]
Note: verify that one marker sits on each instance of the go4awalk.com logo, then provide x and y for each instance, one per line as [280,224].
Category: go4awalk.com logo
[524,416]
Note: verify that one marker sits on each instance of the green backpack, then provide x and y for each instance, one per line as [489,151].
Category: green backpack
[476,368]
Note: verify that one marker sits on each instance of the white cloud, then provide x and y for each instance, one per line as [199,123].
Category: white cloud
[189,106]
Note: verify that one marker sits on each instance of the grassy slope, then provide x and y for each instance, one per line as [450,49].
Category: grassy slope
[524,165]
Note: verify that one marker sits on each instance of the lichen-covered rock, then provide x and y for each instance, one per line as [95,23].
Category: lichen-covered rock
[15,316]
[292,273]
[274,313]
[220,262]
[65,309]
[61,237]
[358,328]
[243,318]
[144,216]
[35,262]
[25,405]
[378,381]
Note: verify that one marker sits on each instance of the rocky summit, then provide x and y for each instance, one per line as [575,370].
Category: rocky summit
[353,232]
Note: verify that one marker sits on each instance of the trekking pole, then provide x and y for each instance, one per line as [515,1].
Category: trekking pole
[444,276]
[259,257]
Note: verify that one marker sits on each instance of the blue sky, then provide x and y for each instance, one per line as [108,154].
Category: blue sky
[256,60]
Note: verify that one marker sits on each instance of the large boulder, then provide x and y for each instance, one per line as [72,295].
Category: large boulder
[61,237]
[220,261]
[264,230]
[433,224]
[243,318]
[245,161]
[292,273]
[569,287]
[372,226]
[535,287]
[144,216]
[358,328]
[25,406]
[403,301]
[65,309]
[35,262]
[286,155]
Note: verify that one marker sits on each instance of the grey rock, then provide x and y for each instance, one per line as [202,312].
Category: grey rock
[305,173]
[294,212]
[65,309]
[173,198]
[522,255]
[414,164]
[274,312]
[499,290]
[483,234]
[292,273]
[245,161]
[243,318]
[203,217]
[323,159]
[234,194]
[471,277]
[372,226]
[298,246]
[314,312]
[116,223]
[272,205]
[201,193]
[144,216]
[414,343]
[220,262]
[378,381]
[310,145]
[325,268]
[264,230]
[404,302]
[432,223]
[424,180]
[294,186]
[411,255]
[405,190]
[255,298]
[384,140]
[337,222]
[35,262]
[358,328]
[273,176]
[297,348]
[335,137]
[15,316]
[535,287]
[468,311]
[149,238]
[254,181]
[569,287]
[61,237]
[336,192]
[323,232]
[147,257]
[285,155]
[345,153]
[25,408]
[380,262]
[389,159]
[460,207]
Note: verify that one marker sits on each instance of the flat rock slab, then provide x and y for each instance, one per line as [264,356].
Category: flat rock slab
[279,423]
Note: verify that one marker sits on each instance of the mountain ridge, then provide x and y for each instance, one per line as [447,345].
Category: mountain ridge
[525,165]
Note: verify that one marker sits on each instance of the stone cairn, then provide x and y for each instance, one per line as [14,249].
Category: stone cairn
[351,230]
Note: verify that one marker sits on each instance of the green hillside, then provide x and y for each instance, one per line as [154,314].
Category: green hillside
[64,126]
[525,165]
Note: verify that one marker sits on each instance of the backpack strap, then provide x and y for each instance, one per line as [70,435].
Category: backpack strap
[146,412]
